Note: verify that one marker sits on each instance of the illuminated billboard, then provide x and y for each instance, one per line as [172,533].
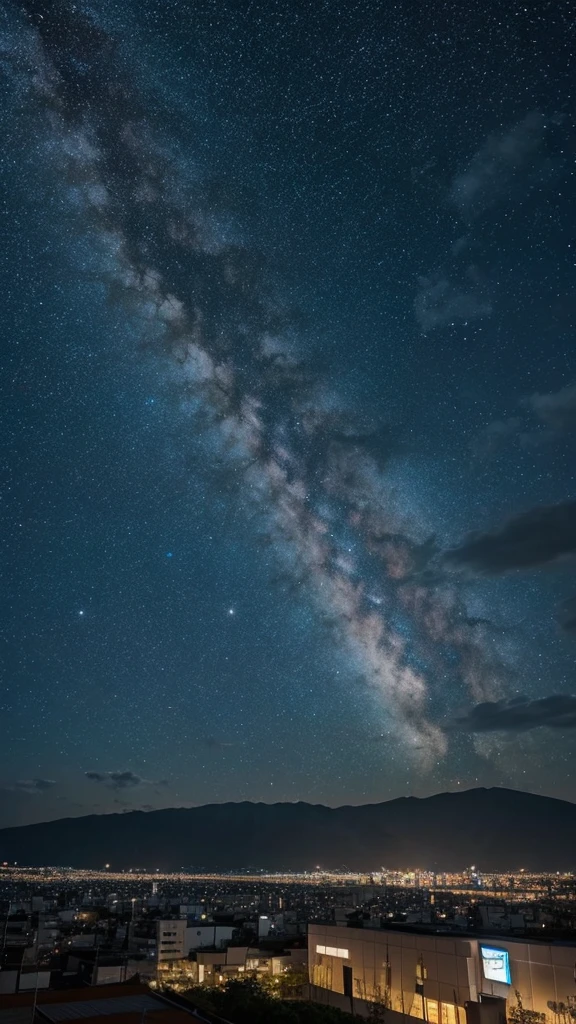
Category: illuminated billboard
[495,964]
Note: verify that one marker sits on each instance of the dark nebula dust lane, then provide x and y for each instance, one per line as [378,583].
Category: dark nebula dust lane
[390,435]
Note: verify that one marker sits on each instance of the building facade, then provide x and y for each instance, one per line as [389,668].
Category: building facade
[442,979]
[171,940]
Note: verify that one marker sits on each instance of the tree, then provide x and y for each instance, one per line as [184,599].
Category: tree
[518,1015]
[377,1011]
[246,1001]
[291,982]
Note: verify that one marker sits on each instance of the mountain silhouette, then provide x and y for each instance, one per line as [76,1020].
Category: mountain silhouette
[494,829]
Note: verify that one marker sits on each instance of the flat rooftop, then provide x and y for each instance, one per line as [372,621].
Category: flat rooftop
[548,936]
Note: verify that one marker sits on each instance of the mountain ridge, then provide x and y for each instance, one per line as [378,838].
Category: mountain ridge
[485,826]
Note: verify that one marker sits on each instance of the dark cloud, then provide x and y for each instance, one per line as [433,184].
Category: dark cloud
[520,715]
[97,776]
[34,785]
[542,536]
[122,780]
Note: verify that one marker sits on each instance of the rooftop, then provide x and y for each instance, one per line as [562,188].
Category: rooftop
[549,936]
[86,1008]
[118,1004]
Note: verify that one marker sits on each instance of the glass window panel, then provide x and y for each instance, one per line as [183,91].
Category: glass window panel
[432,1011]
[448,1013]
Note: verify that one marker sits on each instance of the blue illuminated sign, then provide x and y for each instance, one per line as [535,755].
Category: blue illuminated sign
[496,964]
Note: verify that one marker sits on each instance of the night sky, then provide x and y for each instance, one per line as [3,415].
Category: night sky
[288,401]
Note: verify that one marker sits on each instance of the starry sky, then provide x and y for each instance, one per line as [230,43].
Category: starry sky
[288,401]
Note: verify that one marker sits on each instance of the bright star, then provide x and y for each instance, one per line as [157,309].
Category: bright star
[231,611]
[80,612]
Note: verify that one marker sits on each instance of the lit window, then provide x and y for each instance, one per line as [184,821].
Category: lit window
[432,1011]
[448,1013]
[333,951]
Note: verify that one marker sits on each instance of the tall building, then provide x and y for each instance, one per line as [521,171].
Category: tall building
[171,940]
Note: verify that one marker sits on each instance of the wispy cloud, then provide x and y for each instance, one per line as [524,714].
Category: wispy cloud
[35,785]
[503,170]
[122,780]
[444,299]
[539,420]
[556,409]
[567,616]
[508,165]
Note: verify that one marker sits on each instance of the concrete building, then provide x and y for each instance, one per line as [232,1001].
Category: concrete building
[441,978]
[171,940]
[176,939]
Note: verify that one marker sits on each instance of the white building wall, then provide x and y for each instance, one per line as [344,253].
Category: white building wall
[199,936]
[390,961]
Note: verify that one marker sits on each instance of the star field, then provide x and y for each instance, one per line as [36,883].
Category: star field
[288,400]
